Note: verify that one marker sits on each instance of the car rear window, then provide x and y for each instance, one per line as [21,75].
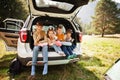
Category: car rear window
[48,3]
[46,27]
[53,6]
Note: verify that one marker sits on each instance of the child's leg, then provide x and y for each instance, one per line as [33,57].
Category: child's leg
[56,48]
[65,50]
[34,59]
[45,69]
[69,48]
[33,70]
[73,46]
[45,59]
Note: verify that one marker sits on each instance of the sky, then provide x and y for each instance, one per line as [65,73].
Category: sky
[88,10]
[117,1]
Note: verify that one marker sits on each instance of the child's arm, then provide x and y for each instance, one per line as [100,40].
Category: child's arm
[44,39]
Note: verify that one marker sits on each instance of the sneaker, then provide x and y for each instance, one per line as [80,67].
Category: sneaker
[74,55]
[31,77]
[70,57]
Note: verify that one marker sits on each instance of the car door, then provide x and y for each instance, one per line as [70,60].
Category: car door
[9,32]
[113,73]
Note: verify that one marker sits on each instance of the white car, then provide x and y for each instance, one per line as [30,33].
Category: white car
[113,73]
[18,35]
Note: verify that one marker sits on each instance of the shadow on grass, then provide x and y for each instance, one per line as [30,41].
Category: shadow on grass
[62,72]
[109,37]
[6,59]
[74,71]
[4,65]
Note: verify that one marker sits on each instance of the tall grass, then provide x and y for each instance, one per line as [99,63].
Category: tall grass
[5,58]
[98,55]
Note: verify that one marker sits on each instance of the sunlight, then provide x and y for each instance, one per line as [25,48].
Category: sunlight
[117,1]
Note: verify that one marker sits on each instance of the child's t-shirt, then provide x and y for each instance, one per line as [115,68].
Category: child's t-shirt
[68,39]
[60,37]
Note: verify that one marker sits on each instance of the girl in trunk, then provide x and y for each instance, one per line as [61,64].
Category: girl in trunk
[53,43]
[40,40]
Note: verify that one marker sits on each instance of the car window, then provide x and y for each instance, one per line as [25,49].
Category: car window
[77,23]
[46,27]
[13,25]
[49,3]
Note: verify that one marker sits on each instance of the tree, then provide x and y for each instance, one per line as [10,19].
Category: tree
[12,9]
[88,29]
[106,16]
[117,28]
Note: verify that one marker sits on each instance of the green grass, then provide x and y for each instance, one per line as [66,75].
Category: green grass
[98,55]
[5,58]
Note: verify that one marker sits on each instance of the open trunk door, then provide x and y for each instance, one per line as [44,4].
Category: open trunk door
[9,32]
[55,8]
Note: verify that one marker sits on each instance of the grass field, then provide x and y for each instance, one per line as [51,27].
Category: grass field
[98,55]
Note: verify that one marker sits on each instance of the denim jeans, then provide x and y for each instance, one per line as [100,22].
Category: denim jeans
[73,46]
[68,49]
[35,55]
[64,48]
[57,48]
[44,53]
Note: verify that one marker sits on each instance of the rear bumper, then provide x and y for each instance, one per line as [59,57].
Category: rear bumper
[51,60]
[55,62]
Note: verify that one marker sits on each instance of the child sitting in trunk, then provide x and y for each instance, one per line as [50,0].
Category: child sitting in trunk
[40,38]
[64,38]
[70,48]
[52,41]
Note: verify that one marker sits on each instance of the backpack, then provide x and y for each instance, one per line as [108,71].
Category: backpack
[15,67]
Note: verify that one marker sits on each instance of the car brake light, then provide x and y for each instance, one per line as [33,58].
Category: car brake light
[23,36]
[80,37]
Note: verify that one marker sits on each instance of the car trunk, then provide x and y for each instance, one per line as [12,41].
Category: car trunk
[52,55]
[52,22]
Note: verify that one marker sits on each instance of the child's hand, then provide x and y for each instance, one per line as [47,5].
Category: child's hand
[58,43]
[42,44]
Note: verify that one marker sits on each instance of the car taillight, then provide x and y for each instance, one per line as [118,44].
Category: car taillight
[80,37]
[23,36]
